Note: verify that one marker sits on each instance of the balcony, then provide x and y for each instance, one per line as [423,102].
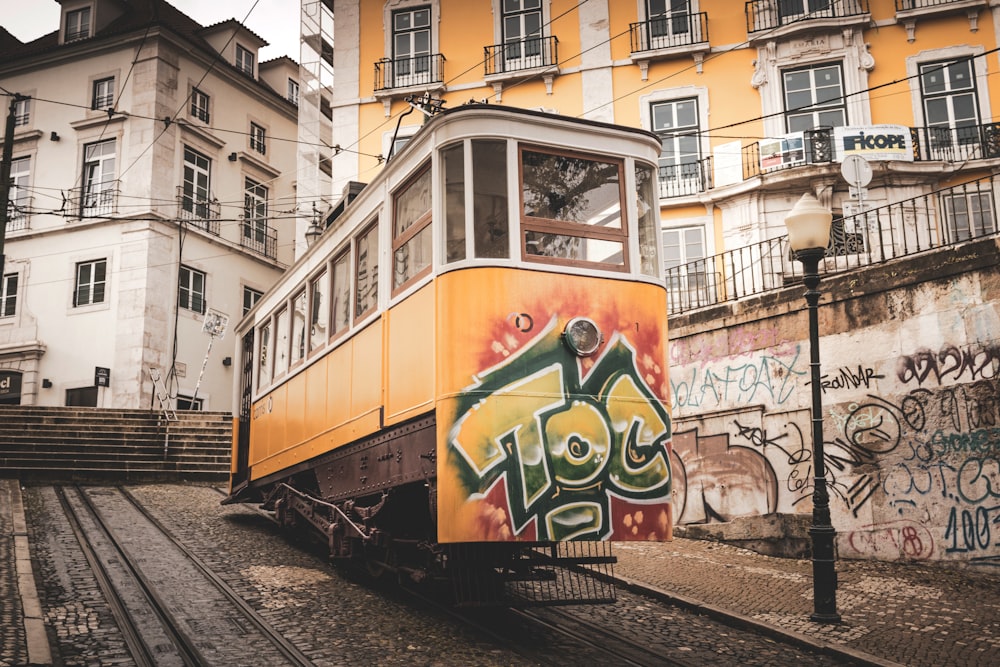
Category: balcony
[669,32]
[19,213]
[767,156]
[94,200]
[198,212]
[771,15]
[928,222]
[909,11]
[689,178]
[956,144]
[519,55]
[255,235]
[395,73]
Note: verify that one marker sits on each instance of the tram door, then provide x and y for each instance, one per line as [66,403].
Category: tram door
[246,406]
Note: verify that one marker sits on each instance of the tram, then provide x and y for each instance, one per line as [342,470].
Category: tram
[464,379]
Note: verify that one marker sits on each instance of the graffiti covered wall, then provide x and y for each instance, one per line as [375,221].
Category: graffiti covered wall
[911,396]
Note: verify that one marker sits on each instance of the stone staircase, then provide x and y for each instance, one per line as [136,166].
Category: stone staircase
[98,445]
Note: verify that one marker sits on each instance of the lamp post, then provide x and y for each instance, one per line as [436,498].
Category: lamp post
[314,231]
[808,226]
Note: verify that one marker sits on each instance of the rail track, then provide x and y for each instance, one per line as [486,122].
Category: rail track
[171,608]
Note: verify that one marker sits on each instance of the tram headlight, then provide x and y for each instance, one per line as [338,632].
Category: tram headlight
[582,336]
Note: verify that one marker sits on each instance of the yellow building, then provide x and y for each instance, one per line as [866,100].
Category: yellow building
[755,102]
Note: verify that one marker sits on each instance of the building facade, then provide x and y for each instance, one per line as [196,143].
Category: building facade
[880,108]
[152,198]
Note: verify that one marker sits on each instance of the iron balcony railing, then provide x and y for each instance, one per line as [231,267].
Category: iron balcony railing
[404,72]
[689,178]
[19,213]
[95,199]
[971,142]
[198,211]
[904,5]
[764,157]
[771,14]
[665,32]
[255,235]
[528,53]
[928,222]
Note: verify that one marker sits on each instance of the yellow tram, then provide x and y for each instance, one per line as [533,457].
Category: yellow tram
[467,371]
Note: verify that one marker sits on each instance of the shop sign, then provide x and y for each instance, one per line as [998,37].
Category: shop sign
[10,384]
[874,142]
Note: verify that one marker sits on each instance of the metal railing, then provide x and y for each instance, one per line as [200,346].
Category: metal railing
[201,213]
[770,14]
[665,32]
[817,147]
[403,72]
[528,53]
[19,213]
[928,222]
[971,142]
[689,178]
[904,5]
[257,236]
[96,199]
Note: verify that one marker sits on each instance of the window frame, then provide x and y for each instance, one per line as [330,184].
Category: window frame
[342,258]
[814,109]
[258,138]
[8,295]
[974,217]
[79,20]
[18,195]
[91,286]
[298,321]
[188,303]
[676,162]
[254,201]
[198,208]
[200,105]
[542,225]
[245,60]
[422,222]
[254,296]
[372,228]
[194,404]
[293,91]
[319,313]
[22,112]
[103,93]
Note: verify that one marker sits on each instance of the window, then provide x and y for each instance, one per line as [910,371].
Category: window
[676,123]
[281,343]
[199,105]
[191,289]
[22,111]
[257,138]
[263,358]
[968,215]
[319,311]
[801,9]
[668,17]
[91,280]
[250,298]
[189,403]
[814,98]
[411,232]
[104,93]
[453,166]
[411,45]
[82,397]
[683,259]
[255,213]
[244,60]
[77,24]
[571,210]
[522,30]
[951,110]
[648,206]
[196,187]
[300,304]
[8,295]
[293,91]
[366,272]
[18,200]
[341,293]
[98,178]
[489,198]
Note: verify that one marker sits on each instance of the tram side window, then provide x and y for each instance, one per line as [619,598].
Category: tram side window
[411,230]
[299,305]
[489,179]
[572,210]
[319,309]
[264,357]
[649,220]
[281,343]
[453,166]
[341,293]
[366,272]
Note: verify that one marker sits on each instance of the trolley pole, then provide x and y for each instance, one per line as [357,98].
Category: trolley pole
[8,156]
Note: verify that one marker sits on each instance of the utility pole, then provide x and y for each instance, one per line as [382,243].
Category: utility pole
[8,155]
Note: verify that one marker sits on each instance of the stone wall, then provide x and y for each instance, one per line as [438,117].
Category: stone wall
[910,363]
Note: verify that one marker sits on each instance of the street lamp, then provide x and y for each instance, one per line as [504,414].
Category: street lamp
[808,226]
[314,231]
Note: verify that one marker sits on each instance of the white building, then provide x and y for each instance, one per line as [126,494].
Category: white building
[153,182]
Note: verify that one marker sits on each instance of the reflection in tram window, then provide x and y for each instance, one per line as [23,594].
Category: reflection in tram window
[366,272]
[649,220]
[281,343]
[453,166]
[299,327]
[341,293]
[319,311]
[264,374]
[490,198]
[411,231]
